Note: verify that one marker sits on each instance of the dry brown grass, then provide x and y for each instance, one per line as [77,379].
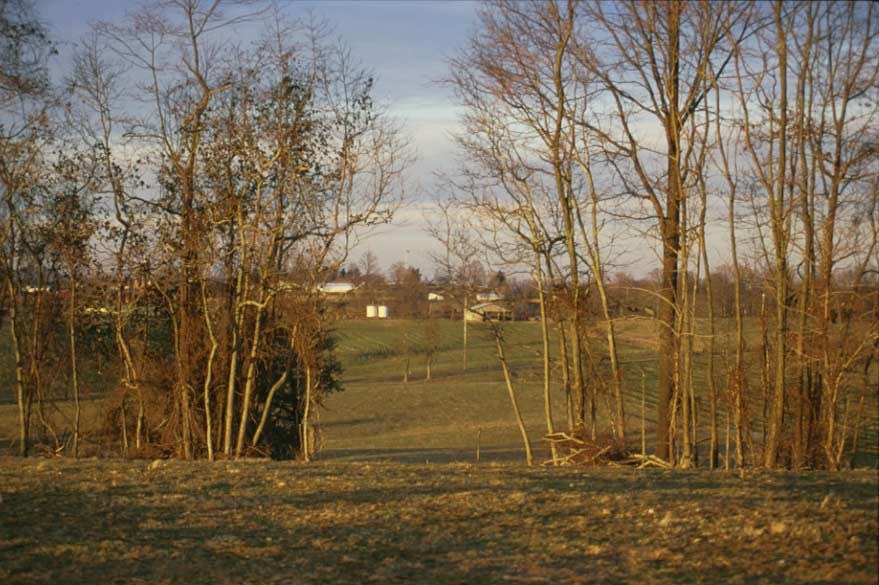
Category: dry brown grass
[96,521]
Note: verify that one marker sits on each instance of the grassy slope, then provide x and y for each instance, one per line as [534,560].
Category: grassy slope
[344,521]
[100,521]
[379,417]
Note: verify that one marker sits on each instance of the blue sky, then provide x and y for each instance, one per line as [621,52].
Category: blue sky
[404,42]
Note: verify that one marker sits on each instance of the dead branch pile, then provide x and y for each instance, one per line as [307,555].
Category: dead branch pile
[578,448]
[642,461]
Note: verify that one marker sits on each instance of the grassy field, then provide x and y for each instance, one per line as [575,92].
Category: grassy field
[104,521]
[397,496]
[378,417]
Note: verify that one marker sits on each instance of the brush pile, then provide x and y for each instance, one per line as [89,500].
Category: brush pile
[579,448]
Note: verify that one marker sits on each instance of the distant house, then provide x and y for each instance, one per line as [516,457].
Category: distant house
[336,288]
[488,297]
[490,311]
[432,296]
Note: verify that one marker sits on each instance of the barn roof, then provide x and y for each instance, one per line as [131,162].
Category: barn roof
[495,306]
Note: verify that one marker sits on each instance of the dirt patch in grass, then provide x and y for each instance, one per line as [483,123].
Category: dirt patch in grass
[268,522]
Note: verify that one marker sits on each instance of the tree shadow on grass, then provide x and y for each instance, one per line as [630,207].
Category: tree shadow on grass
[348,422]
[437,376]
[427,455]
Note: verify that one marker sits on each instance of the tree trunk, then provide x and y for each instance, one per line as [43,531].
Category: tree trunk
[780,237]
[209,372]
[667,342]
[544,334]
[464,319]
[594,257]
[713,441]
[669,226]
[20,393]
[685,342]
[237,317]
[566,376]
[267,407]
[248,383]
[806,183]
[499,343]
[306,448]
[74,374]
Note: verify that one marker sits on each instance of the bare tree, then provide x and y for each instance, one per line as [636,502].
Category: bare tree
[636,53]
[513,75]
[24,133]
[71,209]
[266,161]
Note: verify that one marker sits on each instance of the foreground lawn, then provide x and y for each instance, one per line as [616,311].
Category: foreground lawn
[95,521]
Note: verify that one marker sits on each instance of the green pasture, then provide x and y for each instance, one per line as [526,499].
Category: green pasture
[378,416]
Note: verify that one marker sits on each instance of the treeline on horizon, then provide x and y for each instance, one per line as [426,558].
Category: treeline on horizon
[189,194]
